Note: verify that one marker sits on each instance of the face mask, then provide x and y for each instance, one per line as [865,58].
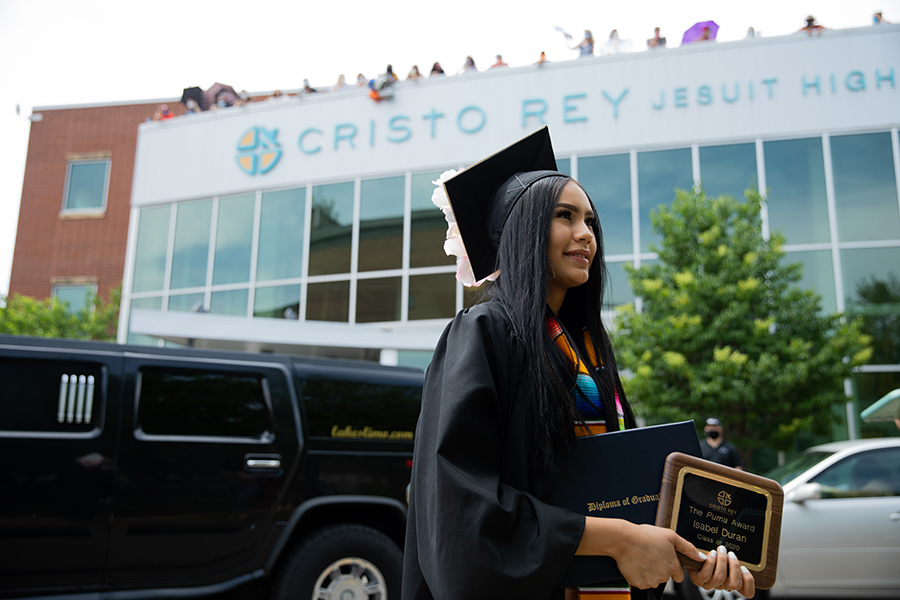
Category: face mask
[714,434]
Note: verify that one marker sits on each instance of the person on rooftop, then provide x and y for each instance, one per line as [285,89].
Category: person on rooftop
[163,113]
[811,27]
[586,47]
[656,41]
[499,62]
[308,89]
[389,75]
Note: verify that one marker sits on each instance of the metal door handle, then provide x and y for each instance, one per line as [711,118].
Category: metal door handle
[894,517]
[263,463]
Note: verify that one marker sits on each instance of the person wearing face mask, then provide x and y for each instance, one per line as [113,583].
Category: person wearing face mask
[716,449]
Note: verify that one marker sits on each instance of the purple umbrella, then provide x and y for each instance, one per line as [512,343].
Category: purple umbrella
[695,33]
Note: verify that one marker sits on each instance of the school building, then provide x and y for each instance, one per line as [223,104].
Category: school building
[306,225]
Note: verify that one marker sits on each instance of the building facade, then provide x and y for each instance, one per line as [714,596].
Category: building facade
[76,199]
[306,225]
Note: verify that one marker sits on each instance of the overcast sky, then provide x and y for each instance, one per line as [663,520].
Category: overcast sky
[70,52]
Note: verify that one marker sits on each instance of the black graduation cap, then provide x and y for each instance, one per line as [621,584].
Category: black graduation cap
[483,195]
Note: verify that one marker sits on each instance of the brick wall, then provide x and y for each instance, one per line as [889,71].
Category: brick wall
[55,248]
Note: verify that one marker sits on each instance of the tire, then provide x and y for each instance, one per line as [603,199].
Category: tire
[341,562]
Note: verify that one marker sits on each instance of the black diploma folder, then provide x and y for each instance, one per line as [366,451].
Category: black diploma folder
[617,475]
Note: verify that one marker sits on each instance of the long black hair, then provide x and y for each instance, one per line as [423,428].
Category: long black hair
[522,290]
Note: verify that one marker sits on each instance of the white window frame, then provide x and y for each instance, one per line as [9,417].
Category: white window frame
[85,284]
[65,199]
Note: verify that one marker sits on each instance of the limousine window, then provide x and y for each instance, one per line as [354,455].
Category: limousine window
[345,409]
[47,396]
[195,402]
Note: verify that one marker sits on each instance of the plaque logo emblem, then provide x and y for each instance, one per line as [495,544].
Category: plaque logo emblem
[258,151]
[724,498]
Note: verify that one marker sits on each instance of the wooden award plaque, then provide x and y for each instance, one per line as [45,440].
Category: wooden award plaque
[711,505]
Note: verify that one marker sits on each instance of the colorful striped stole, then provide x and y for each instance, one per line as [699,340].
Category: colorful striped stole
[590,406]
[587,396]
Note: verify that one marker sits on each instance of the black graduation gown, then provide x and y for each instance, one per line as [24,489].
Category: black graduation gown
[478,523]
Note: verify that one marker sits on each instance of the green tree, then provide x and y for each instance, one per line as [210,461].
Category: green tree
[23,315]
[724,329]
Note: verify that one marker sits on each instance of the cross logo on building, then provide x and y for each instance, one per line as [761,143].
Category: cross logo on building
[258,151]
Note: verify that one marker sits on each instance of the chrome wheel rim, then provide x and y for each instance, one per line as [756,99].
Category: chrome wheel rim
[350,579]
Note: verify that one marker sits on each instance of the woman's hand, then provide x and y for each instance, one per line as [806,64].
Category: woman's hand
[645,554]
[650,558]
[722,571]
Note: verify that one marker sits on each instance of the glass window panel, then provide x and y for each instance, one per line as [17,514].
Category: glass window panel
[87,185]
[818,276]
[229,302]
[328,301]
[618,291]
[659,174]
[428,227]
[150,255]
[859,266]
[358,405]
[432,296]
[201,403]
[836,479]
[186,302]
[234,237]
[281,225]
[728,170]
[872,288]
[191,253]
[871,387]
[31,390]
[75,295]
[862,475]
[607,180]
[278,302]
[795,176]
[865,188]
[378,300]
[381,224]
[331,230]
[564,165]
[154,303]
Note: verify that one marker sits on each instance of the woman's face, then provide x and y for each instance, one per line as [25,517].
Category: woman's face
[571,246]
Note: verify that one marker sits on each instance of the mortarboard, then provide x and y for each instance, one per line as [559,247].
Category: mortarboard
[483,195]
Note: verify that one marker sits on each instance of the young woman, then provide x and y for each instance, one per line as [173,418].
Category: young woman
[502,401]
[586,47]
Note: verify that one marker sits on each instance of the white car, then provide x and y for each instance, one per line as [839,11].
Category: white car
[840,532]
